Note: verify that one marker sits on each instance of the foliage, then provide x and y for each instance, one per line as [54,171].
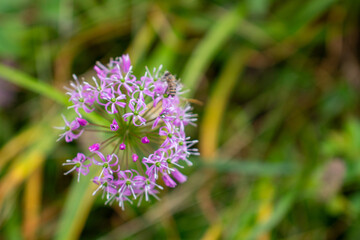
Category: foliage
[279,132]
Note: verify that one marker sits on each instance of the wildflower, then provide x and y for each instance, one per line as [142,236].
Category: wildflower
[122,146]
[79,165]
[107,164]
[114,125]
[106,183]
[70,130]
[169,181]
[143,129]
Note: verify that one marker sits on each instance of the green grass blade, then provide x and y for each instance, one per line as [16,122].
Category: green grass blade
[218,100]
[32,84]
[254,168]
[77,207]
[208,48]
[284,205]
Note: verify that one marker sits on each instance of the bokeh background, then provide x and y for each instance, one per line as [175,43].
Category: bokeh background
[278,130]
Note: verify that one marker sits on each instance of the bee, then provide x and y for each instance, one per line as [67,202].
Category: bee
[171,82]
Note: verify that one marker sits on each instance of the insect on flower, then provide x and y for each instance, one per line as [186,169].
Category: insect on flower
[171,83]
[141,121]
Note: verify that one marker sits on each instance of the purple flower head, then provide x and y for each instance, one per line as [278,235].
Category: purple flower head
[106,184]
[145,140]
[156,164]
[142,139]
[94,147]
[80,97]
[137,108]
[169,181]
[135,157]
[113,101]
[122,146]
[82,121]
[72,130]
[181,178]
[110,163]
[125,63]
[80,164]
[100,90]
[114,125]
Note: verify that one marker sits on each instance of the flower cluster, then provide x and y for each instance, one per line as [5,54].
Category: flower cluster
[142,129]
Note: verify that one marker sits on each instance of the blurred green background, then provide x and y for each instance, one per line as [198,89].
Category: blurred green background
[279,129]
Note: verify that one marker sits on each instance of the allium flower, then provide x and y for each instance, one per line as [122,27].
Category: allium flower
[71,128]
[80,164]
[143,128]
